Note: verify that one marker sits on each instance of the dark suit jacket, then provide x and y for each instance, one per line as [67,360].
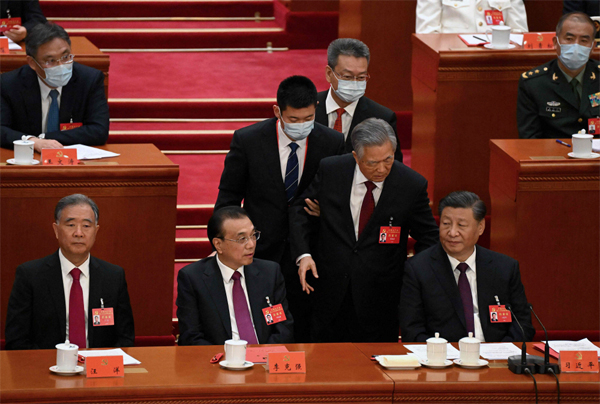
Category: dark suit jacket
[430,299]
[29,11]
[202,307]
[252,174]
[365,109]
[83,100]
[537,119]
[374,270]
[590,7]
[36,314]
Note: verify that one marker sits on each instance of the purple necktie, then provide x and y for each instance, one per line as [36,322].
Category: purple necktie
[466,297]
[76,312]
[240,308]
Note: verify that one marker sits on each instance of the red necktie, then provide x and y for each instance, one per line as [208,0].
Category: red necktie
[467,298]
[338,121]
[76,312]
[367,208]
[242,314]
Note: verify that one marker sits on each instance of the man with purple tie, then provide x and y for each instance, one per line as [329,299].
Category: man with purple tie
[222,297]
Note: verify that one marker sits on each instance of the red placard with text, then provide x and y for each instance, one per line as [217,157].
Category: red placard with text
[104,366]
[7,23]
[538,40]
[274,314]
[288,362]
[493,17]
[578,361]
[4,46]
[59,157]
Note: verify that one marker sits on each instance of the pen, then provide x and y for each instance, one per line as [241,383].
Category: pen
[481,39]
[562,143]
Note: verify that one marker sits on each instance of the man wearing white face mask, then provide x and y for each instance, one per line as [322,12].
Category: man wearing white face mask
[344,105]
[53,101]
[269,164]
[559,98]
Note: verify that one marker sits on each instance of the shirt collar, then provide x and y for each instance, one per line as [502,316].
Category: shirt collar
[284,141]
[359,178]
[45,90]
[66,266]
[227,272]
[579,77]
[470,261]
[332,106]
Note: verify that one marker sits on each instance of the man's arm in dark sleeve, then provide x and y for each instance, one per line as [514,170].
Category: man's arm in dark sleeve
[94,131]
[8,135]
[528,119]
[422,224]
[412,310]
[392,120]
[232,187]
[32,14]
[19,313]
[124,316]
[520,307]
[188,313]
[284,331]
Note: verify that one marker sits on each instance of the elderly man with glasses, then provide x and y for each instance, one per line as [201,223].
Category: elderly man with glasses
[53,100]
[231,295]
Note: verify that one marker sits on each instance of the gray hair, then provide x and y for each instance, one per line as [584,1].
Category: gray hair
[41,34]
[465,200]
[372,132]
[575,16]
[346,47]
[73,200]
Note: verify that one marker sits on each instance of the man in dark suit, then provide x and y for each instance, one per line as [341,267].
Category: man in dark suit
[223,296]
[30,13]
[56,297]
[344,105]
[554,98]
[51,91]
[361,195]
[259,171]
[454,287]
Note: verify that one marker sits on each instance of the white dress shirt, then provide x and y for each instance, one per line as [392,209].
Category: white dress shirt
[284,152]
[472,278]
[357,195]
[84,280]
[46,101]
[227,274]
[331,108]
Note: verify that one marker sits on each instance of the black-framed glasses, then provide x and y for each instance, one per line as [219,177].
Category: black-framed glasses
[244,240]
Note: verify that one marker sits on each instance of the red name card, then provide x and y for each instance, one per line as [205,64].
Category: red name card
[578,361]
[59,157]
[4,46]
[7,23]
[286,362]
[538,40]
[104,366]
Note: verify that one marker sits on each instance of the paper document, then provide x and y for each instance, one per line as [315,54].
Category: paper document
[421,351]
[127,359]
[91,153]
[12,45]
[596,145]
[259,355]
[581,345]
[480,39]
[498,350]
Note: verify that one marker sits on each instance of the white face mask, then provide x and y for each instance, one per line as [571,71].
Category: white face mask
[573,56]
[296,131]
[350,90]
[58,76]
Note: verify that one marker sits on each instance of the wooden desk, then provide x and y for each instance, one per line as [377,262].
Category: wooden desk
[137,196]
[546,215]
[462,98]
[337,373]
[85,53]
[494,383]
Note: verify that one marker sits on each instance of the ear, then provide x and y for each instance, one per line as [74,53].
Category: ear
[217,242]
[55,227]
[556,46]
[355,156]
[481,226]
[40,72]
[329,74]
[276,111]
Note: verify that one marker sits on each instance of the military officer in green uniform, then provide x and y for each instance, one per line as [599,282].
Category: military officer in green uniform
[557,99]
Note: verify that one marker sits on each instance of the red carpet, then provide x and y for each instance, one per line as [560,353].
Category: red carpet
[199,177]
[68,25]
[166,126]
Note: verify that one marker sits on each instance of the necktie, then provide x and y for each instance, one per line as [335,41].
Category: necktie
[76,312]
[291,173]
[53,113]
[367,207]
[338,121]
[467,299]
[240,308]
[574,84]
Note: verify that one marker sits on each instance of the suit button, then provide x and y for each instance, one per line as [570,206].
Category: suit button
[580,120]
[355,251]
[553,115]
[479,8]
[500,8]
[480,23]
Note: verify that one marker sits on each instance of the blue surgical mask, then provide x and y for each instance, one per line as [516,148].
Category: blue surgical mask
[350,90]
[58,76]
[297,131]
[573,56]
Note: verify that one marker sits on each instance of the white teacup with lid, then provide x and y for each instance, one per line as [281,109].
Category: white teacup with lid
[437,350]
[582,144]
[23,151]
[66,356]
[469,350]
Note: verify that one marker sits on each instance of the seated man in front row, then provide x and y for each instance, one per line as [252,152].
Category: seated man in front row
[451,288]
[223,296]
[53,100]
[57,296]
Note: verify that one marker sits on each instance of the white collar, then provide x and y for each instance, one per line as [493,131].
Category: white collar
[284,141]
[359,178]
[332,106]
[67,266]
[45,90]
[227,272]
[469,261]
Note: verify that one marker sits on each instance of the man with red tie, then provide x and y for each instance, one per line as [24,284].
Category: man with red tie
[56,298]
[356,276]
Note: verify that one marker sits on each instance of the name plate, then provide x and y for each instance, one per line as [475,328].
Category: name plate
[578,361]
[286,362]
[104,366]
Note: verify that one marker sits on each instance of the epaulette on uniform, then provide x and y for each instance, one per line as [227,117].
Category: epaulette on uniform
[536,72]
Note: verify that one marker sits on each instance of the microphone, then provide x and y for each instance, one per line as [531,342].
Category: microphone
[546,366]
[519,363]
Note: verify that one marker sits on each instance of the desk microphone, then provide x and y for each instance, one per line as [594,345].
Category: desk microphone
[546,365]
[519,363]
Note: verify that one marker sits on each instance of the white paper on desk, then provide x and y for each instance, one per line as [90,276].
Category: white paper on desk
[12,45]
[91,153]
[581,345]
[517,38]
[421,351]
[498,350]
[596,145]
[472,40]
[127,359]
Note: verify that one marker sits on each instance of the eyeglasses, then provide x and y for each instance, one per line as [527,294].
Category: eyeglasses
[244,240]
[53,62]
[347,77]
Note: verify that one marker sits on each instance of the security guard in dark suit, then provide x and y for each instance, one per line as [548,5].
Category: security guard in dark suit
[556,99]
